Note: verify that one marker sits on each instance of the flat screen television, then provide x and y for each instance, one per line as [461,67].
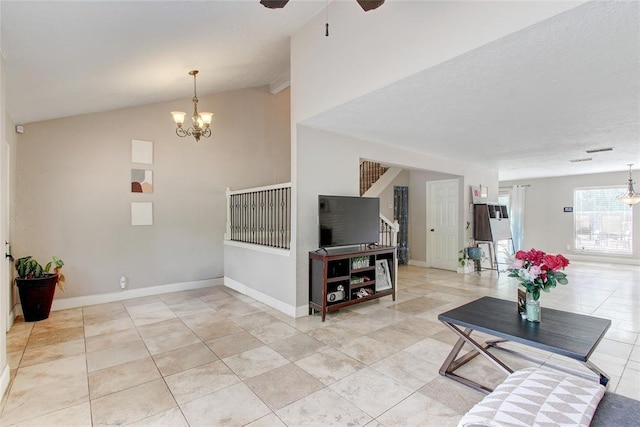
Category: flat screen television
[346,221]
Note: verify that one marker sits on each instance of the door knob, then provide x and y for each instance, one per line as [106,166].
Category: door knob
[8,253]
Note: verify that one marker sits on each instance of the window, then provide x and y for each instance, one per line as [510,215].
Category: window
[602,224]
[503,197]
[504,246]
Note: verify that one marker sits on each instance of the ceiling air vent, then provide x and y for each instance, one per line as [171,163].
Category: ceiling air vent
[599,150]
[586,159]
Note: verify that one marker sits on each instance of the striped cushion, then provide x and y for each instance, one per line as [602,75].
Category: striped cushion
[535,397]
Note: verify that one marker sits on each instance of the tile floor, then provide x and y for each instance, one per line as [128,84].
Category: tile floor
[215,357]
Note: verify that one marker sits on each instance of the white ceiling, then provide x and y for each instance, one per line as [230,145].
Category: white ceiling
[525,104]
[71,57]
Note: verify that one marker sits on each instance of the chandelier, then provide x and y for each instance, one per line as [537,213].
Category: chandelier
[201,121]
[630,197]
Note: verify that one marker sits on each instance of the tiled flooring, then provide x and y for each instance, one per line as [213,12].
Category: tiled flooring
[215,357]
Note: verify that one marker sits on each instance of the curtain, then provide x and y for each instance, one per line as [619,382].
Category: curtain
[516,214]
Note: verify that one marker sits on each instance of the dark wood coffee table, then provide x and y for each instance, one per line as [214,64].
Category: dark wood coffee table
[575,336]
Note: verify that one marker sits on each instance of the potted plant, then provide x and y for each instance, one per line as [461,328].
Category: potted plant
[468,255]
[474,253]
[37,286]
[465,264]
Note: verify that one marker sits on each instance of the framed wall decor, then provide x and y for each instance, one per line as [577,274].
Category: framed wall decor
[142,151]
[479,194]
[383,278]
[141,213]
[141,181]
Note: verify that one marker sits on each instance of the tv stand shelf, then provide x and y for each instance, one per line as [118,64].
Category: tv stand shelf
[341,277]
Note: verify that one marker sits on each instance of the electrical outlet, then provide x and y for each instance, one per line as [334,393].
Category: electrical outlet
[123,282]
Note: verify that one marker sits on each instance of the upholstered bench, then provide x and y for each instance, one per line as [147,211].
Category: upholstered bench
[537,397]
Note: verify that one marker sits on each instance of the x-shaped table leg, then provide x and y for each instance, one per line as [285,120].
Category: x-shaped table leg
[453,362]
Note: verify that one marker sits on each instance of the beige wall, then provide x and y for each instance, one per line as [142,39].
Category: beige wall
[387,195]
[328,163]
[73,188]
[547,227]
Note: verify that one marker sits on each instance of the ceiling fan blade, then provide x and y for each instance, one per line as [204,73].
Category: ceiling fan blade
[368,5]
[274,4]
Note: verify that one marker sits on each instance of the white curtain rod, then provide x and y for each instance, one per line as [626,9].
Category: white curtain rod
[507,188]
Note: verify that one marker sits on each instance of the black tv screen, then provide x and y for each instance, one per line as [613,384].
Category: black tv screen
[348,220]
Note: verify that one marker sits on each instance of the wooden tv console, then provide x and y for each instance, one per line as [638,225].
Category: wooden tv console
[339,277]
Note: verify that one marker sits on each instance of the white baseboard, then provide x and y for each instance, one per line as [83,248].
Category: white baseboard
[467,269]
[11,317]
[302,311]
[287,309]
[259,248]
[417,263]
[82,301]
[602,259]
[4,382]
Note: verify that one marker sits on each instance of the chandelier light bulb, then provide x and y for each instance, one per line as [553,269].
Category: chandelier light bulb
[206,118]
[178,117]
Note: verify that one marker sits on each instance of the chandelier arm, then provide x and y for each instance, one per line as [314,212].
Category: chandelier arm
[181,132]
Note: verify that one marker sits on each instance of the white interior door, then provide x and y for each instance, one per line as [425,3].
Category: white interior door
[442,224]
[8,299]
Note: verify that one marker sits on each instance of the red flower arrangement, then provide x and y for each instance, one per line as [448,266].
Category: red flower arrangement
[537,270]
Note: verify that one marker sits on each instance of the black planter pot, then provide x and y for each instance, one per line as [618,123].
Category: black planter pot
[36,296]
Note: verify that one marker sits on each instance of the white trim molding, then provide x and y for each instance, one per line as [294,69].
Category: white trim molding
[602,258]
[82,301]
[418,263]
[259,248]
[281,83]
[287,309]
[4,380]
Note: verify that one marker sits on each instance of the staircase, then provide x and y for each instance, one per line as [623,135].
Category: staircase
[370,172]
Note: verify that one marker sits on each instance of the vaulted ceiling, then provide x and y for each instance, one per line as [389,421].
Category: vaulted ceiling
[71,57]
[525,104]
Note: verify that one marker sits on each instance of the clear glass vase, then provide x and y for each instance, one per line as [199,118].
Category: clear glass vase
[533,308]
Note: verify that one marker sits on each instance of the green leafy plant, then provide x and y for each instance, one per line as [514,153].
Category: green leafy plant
[28,268]
[462,257]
